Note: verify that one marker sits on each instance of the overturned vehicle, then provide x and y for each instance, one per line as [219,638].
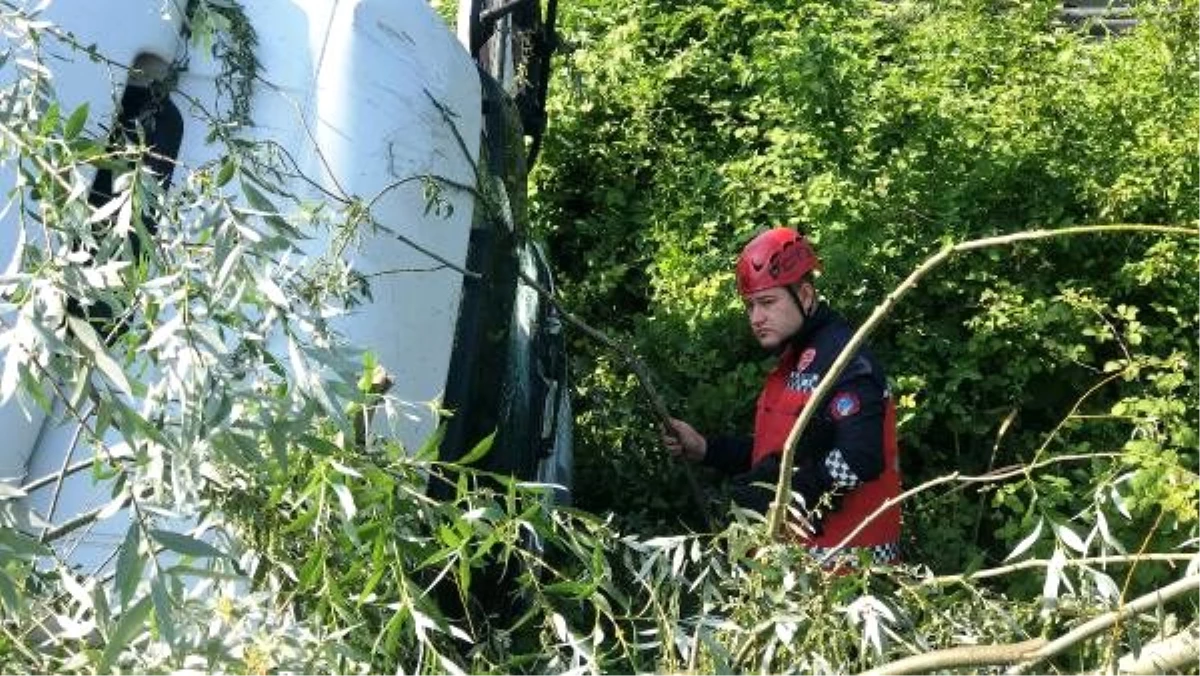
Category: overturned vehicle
[223,222]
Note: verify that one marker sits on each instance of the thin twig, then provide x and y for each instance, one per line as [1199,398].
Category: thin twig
[1129,578]
[448,117]
[48,479]
[783,489]
[979,510]
[1072,414]
[83,519]
[400,271]
[62,471]
[1045,563]
[469,274]
[105,450]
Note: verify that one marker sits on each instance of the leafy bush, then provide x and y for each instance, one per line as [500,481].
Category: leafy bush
[320,552]
[884,130]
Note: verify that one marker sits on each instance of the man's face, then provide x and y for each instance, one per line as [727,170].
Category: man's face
[774,315]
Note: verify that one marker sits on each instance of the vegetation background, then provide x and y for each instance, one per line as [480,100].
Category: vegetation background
[885,130]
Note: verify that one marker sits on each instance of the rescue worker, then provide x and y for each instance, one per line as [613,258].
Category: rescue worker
[846,462]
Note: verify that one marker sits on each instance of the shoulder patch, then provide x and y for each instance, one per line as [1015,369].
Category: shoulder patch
[806,359]
[844,405]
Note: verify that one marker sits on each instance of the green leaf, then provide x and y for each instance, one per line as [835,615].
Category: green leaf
[429,449]
[372,582]
[571,589]
[163,610]
[346,499]
[345,469]
[8,593]
[313,567]
[185,544]
[75,122]
[50,119]
[129,565]
[479,451]
[318,445]
[228,167]
[21,545]
[131,624]
[267,211]
[279,447]
[107,365]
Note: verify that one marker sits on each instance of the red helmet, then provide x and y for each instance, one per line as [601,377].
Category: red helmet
[777,257]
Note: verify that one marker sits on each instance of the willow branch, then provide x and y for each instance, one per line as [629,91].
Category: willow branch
[778,512]
[640,371]
[1102,622]
[63,469]
[52,534]
[1045,563]
[960,656]
[48,479]
[1031,652]
[1167,656]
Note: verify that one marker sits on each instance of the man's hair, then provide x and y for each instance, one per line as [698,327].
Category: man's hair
[809,278]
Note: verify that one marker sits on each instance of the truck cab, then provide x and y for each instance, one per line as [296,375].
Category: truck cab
[369,104]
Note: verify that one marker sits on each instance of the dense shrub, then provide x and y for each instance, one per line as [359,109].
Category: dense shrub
[884,129]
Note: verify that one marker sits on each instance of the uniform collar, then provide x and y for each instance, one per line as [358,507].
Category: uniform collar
[820,317]
[788,350]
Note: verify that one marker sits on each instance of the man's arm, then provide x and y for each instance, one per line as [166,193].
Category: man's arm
[727,454]
[856,413]
[730,455]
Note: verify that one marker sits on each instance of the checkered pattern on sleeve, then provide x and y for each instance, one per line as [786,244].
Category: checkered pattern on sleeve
[880,555]
[839,470]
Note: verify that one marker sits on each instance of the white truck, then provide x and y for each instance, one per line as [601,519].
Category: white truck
[362,96]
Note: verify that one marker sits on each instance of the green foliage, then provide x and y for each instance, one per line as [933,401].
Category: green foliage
[447,10]
[884,130]
[319,554]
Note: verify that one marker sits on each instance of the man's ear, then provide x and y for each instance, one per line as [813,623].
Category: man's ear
[808,295]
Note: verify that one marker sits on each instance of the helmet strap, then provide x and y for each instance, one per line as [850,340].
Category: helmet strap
[804,313]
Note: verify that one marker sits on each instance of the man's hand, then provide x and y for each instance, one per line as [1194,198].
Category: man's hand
[684,441]
[755,490]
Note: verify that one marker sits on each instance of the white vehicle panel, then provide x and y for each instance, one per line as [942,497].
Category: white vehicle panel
[348,88]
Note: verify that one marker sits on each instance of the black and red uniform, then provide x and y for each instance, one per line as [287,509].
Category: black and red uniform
[847,461]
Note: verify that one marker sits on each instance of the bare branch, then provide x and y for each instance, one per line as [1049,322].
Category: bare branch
[1031,652]
[83,519]
[1169,655]
[1102,622]
[1045,563]
[961,656]
[67,471]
